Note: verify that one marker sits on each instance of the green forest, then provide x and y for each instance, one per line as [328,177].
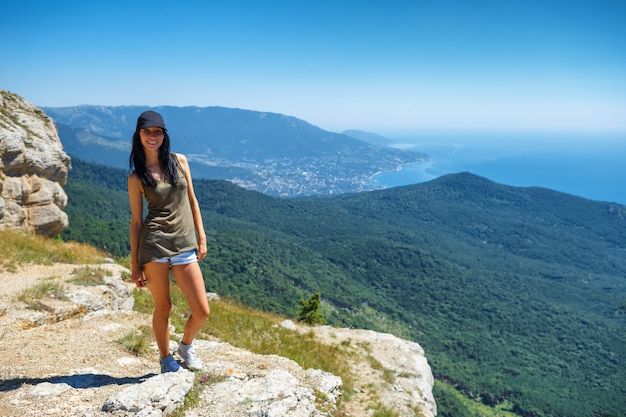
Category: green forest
[516,294]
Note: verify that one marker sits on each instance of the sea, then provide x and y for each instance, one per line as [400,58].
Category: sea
[592,166]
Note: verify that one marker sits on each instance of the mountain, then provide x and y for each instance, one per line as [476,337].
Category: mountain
[267,152]
[518,295]
[368,137]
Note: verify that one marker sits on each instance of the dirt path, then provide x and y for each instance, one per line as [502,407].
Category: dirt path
[80,351]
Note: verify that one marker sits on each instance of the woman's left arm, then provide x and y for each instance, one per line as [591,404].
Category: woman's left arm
[195,208]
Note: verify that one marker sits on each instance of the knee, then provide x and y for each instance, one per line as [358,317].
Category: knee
[202,313]
[162,307]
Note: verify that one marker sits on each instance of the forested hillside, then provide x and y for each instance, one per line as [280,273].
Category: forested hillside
[517,294]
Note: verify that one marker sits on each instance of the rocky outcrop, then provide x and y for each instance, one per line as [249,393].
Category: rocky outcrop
[71,362]
[405,378]
[33,169]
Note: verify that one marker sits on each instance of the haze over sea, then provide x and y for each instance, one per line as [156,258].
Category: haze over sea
[586,165]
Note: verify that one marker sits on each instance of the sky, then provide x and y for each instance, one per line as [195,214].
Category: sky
[388,67]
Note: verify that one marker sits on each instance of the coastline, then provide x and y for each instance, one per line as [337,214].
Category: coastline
[585,168]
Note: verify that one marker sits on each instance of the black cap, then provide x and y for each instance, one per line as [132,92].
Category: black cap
[150,118]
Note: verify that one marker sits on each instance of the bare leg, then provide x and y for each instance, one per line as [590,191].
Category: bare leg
[157,276]
[190,281]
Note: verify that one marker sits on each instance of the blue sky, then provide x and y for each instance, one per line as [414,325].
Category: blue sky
[390,67]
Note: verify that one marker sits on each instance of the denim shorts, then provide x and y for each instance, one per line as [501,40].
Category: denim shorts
[181,259]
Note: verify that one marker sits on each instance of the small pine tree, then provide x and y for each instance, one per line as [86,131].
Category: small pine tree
[310,310]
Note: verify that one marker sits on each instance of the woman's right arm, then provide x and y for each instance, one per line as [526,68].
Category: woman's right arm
[135,190]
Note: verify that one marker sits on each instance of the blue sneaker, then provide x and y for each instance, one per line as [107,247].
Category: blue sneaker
[169,364]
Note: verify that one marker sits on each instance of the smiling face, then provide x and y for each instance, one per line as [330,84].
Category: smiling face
[151,138]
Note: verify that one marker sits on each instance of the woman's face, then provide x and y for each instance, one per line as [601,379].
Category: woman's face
[151,138]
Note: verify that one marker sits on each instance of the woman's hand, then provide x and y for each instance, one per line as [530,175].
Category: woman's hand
[138,278]
[202,250]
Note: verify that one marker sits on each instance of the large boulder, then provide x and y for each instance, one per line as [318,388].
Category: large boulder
[33,169]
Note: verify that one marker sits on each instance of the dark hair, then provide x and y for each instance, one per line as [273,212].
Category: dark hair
[167,161]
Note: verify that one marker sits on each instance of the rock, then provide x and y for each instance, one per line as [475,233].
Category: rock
[248,384]
[325,382]
[114,295]
[157,396]
[33,169]
[211,296]
[46,389]
[278,393]
[289,325]
[413,380]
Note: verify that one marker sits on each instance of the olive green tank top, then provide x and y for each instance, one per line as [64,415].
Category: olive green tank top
[168,228]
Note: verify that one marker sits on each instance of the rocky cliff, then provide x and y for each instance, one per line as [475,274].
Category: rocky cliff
[33,169]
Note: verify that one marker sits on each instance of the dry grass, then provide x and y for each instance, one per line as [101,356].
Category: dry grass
[137,340]
[89,276]
[21,248]
[49,288]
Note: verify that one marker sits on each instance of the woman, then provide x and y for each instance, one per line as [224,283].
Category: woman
[171,236]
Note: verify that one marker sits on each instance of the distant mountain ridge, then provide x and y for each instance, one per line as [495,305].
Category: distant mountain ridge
[373,138]
[267,152]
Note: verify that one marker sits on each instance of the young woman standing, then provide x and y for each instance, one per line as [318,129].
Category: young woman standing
[170,237]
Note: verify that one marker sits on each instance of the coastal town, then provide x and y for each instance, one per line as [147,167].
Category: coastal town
[321,176]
